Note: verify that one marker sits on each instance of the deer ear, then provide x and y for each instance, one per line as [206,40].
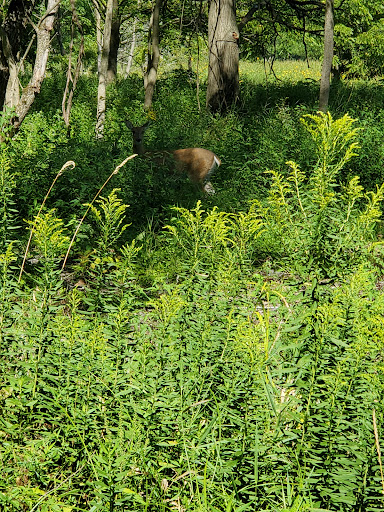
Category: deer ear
[145,125]
[129,124]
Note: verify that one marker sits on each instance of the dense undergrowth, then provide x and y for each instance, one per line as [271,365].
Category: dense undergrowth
[223,354]
[261,134]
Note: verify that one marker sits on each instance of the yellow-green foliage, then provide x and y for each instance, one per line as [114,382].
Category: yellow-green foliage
[49,235]
[110,216]
[311,217]
[183,370]
[213,239]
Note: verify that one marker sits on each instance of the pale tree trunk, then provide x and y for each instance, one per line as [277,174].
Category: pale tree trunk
[328,56]
[223,68]
[43,36]
[133,45]
[12,94]
[115,43]
[131,51]
[153,55]
[72,75]
[12,90]
[99,32]
[13,49]
[103,69]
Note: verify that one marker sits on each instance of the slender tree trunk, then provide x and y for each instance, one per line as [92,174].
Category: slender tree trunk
[153,55]
[15,41]
[223,68]
[43,35]
[131,51]
[11,95]
[72,75]
[99,33]
[328,56]
[58,33]
[115,43]
[103,69]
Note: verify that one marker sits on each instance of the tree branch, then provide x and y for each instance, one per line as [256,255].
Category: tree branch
[249,16]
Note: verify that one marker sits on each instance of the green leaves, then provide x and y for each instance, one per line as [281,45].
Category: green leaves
[110,219]
[214,241]
[184,372]
[313,218]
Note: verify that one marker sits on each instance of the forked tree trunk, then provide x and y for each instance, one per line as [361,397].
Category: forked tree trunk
[328,56]
[103,69]
[153,55]
[223,68]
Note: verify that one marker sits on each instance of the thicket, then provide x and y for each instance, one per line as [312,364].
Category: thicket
[203,355]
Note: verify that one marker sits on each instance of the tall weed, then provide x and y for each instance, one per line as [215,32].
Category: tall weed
[314,221]
[8,232]
[8,212]
[109,215]
[214,240]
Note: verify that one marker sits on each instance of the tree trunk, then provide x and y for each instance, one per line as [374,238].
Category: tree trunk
[99,33]
[15,39]
[43,35]
[328,56]
[72,75]
[115,43]
[103,69]
[223,68]
[153,55]
[131,51]
[11,94]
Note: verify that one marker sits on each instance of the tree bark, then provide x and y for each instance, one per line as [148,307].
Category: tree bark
[325,82]
[153,55]
[103,69]
[11,95]
[99,33]
[223,68]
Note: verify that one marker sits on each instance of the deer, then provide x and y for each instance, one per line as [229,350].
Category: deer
[198,163]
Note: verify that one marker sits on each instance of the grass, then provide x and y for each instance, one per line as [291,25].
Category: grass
[293,71]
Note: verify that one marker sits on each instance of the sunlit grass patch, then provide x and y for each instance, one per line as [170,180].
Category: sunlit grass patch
[287,70]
